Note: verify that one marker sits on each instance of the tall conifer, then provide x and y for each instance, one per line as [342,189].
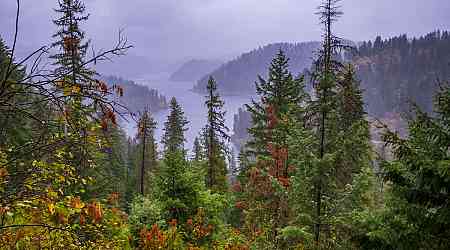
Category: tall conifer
[174,129]
[216,137]
[147,144]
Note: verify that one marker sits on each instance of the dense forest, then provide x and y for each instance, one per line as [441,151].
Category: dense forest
[401,71]
[194,70]
[136,97]
[308,176]
[395,72]
[237,77]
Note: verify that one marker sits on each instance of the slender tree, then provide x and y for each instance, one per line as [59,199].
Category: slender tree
[216,133]
[325,89]
[146,127]
[70,61]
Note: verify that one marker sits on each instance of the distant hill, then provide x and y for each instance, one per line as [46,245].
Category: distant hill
[239,75]
[137,97]
[397,71]
[194,70]
[394,73]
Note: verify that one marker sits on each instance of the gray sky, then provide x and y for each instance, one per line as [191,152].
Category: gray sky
[170,31]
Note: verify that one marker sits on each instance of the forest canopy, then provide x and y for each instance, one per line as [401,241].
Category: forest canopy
[308,174]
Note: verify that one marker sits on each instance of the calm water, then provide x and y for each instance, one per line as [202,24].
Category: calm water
[192,103]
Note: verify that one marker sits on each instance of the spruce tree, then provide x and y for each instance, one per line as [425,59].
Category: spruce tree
[280,94]
[324,108]
[216,137]
[174,129]
[342,155]
[198,150]
[354,135]
[275,118]
[70,61]
[417,210]
[74,81]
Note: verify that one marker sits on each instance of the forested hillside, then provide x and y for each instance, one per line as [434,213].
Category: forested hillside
[239,75]
[308,177]
[399,71]
[193,70]
[137,97]
[395,74]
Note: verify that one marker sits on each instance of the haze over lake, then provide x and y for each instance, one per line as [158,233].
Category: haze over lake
[193,105]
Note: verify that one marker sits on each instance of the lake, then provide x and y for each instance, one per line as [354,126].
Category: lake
[193,105]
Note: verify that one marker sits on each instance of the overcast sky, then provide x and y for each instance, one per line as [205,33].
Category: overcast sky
[175,30]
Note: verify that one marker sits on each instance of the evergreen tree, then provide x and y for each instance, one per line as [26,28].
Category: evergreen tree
[216,137]
[70,61]
[174,129]
[275,118]
[198,150]
[74,81]
[177,187]
[279,95]
[417,213]
[148,147]
[14,93]
[324,108]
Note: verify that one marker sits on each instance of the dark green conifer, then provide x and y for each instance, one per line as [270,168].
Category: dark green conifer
[216,137]
[198,150]
[417,212]
[174,129]
[280,94]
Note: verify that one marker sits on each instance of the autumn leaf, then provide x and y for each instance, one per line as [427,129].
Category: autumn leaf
[51,208]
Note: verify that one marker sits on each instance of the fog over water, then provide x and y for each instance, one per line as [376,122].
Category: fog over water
[193,105]
[166,33]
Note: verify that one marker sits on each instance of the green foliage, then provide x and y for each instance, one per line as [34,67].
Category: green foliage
[174,129]
[146,149]
[215,137]
[399,70]
[417,212]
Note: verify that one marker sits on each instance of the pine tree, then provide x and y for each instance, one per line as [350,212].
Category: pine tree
[146,131]
[417,210]
[342,155]
[177,187]
[74,81]
[198,150]
[174,129]
[275,118]
[71,58]
[324,108]
[278,93]
[216,137]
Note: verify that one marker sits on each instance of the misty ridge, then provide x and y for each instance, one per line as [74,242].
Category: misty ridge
[225,125]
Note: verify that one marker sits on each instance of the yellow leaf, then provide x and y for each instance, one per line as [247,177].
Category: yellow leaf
[76,89]
[51,208]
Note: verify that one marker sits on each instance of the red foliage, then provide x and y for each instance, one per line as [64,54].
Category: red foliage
[240,205]
[153,239]
[271,116]
[94,210]
[113,198]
